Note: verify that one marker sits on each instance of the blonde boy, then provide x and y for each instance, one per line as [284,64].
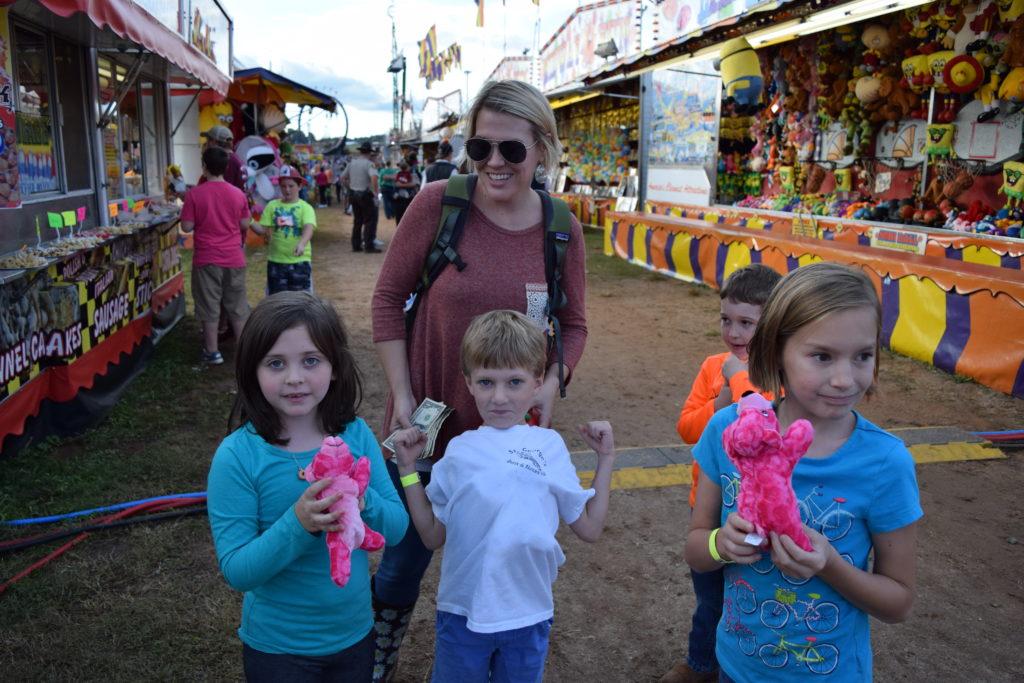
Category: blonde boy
[495,501]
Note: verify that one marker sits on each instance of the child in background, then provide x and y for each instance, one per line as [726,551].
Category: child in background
[722,380]
[296,383]
[792,614]
[496,498]
[218,212]
[291,222]
[323,186]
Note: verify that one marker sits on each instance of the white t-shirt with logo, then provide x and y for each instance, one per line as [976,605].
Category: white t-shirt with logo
[500,494]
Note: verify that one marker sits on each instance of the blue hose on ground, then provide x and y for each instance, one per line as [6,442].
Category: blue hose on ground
[119,506]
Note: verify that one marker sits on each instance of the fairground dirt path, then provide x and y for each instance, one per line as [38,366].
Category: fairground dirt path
[623,604]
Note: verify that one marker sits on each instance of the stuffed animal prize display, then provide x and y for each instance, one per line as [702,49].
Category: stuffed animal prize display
[765,460]
[894,107]
[350,480]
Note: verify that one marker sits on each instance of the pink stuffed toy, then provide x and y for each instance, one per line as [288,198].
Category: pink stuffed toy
[350,480]
[765,460]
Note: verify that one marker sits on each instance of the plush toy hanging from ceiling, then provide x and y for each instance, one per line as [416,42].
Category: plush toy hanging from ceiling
[741,75]
[946,106]
[1012,87]
[1013,184]
[263,164]
[939,141]
[844,180]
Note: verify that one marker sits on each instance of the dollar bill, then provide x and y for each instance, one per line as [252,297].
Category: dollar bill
[428,418]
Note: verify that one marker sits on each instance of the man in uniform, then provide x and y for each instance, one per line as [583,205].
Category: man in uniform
[361,182]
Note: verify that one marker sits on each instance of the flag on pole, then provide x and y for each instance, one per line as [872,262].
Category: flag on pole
[479,12]
[428,51]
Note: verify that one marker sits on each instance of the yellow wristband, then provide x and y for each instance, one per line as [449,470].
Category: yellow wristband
[410,479]
[713,550]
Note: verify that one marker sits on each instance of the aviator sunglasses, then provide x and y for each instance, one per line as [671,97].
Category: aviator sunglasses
[514,151]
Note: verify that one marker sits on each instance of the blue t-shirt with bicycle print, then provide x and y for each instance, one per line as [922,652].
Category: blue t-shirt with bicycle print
[776,627]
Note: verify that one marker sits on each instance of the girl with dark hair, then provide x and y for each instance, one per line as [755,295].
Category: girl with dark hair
[297,383]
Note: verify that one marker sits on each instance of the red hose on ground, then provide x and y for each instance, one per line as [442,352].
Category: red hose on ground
[150,506]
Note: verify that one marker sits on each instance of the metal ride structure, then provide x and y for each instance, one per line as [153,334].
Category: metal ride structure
[397,66]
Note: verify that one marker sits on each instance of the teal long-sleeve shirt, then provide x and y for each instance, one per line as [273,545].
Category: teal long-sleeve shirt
[290,605]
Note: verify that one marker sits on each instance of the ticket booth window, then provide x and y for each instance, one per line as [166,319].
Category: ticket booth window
[121,112]
[38,162]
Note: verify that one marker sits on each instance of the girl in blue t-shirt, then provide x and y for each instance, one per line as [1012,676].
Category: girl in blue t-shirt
[297,383]
[789,613]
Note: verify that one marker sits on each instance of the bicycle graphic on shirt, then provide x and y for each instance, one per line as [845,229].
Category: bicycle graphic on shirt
[831,519]
[745,600]
[817,616]
[820,658]
[730,489]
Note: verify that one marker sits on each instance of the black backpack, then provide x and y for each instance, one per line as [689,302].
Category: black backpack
[458,194]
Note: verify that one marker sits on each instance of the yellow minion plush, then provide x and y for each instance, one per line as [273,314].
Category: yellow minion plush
[741,73]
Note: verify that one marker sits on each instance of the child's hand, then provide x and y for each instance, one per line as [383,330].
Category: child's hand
[313,513]
[731,366]
[731,543]
[409,445]
[598,435]
[299,248]
[794,561]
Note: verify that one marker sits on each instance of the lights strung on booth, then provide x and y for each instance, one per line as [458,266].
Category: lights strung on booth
[831,18]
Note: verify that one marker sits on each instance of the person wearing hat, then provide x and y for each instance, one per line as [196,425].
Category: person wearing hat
[360,179]
[221,136]
[291,222]
[442,168]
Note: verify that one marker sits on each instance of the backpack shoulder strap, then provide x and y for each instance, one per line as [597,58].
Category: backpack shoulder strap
[556,241]
[458,193]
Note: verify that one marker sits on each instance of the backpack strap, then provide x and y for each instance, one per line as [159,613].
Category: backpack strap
[556,242]
[454,209]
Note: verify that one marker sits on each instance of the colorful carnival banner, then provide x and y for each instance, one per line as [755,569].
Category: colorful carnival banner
[10,178]
[434,65]
[569,54]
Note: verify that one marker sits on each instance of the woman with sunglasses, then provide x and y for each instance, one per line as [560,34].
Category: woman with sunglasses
[511,139]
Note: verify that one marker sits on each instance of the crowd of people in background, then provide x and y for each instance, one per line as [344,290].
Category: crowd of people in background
[359,183]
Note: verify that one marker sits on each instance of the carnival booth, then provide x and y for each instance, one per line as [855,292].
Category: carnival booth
[885,135]
[598,123]
[89,270]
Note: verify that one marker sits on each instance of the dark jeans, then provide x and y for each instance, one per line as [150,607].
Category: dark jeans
[354,663]
[387,195]
[401,204]
[708,588]
[364,219]
[397,581]
[289,277]
[325,194]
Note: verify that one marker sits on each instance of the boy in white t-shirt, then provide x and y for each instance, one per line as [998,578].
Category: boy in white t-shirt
[496,498]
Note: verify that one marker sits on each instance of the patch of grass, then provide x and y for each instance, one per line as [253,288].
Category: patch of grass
[128,584]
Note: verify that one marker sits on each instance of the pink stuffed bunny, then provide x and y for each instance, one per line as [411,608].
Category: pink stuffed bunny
[350,480]
[765,460]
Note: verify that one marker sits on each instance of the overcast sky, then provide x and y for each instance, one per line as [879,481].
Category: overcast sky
[343,48]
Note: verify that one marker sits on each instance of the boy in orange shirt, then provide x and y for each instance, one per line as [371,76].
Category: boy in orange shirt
[721,381]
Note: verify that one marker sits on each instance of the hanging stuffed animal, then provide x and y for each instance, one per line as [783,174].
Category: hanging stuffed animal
[1013,184]
[262,164]
[939,140]
[765,460]
[741,75]
[350,480]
